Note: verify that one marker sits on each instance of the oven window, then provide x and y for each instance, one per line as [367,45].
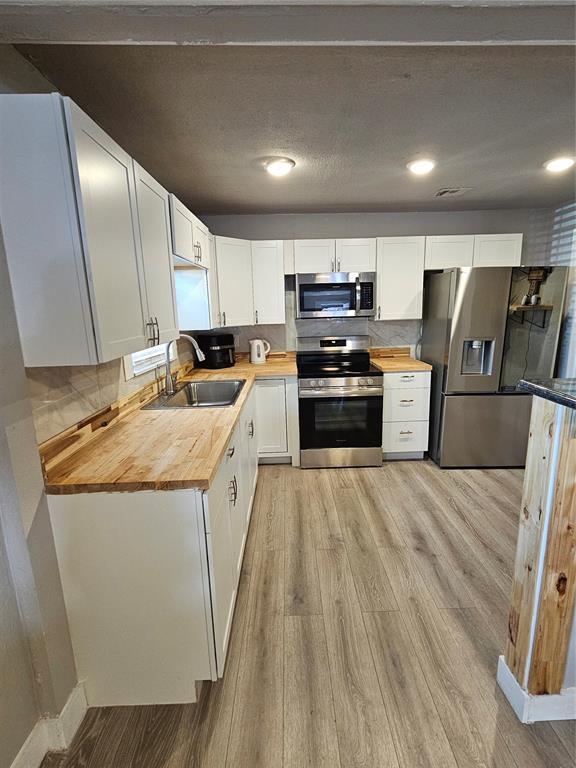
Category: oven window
[327,298]
[354,422]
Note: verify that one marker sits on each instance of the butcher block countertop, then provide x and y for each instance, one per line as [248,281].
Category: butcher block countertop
[172,448]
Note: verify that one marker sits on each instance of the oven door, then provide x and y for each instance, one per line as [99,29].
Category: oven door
[341,422]
[335,294]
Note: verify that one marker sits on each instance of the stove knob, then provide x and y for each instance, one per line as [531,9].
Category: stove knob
[321,382]
[370,381]
[362,382]
[312,382]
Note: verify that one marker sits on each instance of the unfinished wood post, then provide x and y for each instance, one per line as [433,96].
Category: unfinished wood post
[544,584]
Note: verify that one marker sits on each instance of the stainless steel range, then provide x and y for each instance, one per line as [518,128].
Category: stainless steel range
[340,400]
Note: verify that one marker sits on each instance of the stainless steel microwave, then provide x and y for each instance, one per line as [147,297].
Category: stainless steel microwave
[336,294]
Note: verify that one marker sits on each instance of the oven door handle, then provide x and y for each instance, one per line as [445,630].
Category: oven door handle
[341,391]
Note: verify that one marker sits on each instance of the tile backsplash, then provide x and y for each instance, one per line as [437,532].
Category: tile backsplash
[62,396]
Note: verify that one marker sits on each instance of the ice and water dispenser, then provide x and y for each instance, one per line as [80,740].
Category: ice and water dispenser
[477,357]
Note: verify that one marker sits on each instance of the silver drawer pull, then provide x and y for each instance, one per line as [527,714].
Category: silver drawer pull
[406,432]
[230,452]
[406,401]
[407,377]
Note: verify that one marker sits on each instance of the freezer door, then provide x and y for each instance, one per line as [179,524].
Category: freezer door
[479,312]
[484,430]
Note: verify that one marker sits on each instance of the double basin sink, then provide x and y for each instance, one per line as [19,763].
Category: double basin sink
[202,393]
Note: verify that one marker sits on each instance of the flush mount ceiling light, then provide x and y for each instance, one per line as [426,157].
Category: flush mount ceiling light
[421,167]
[280,166]
[559,164]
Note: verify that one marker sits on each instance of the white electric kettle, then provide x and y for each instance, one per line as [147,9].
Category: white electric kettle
[258,350]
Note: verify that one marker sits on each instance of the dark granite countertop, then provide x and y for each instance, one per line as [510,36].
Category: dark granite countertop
[561,391]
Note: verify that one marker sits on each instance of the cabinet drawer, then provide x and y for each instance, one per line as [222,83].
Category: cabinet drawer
[400,406]
[404,436]
[407,380]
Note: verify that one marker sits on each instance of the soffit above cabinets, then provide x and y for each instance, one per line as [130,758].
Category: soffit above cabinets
[203,119]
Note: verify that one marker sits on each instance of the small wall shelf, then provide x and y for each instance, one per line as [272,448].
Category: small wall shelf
[525,313]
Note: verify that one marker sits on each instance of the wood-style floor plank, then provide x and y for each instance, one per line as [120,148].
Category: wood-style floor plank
[364,736]
[256,737]
[416,727]
[372,585]
[302,589]
[310,737]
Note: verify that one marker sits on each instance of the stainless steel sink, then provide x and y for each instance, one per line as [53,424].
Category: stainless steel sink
[202,393]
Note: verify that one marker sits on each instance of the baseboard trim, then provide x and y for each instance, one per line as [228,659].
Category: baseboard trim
[534,709]
[53,734]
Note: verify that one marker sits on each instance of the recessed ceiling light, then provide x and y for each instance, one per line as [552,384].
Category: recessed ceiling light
[281,166]
[421,167]
[559,164]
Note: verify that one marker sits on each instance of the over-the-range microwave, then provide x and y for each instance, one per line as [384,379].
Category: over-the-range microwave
[336,294]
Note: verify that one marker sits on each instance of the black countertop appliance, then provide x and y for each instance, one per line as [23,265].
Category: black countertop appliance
[218,348]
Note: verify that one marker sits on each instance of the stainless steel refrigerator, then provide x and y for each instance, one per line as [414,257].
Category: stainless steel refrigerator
[481,340]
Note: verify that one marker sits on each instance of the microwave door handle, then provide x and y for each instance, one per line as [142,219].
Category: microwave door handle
[358,295]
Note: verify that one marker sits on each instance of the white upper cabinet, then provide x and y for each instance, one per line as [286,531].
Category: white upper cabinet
[154,228]
[314,256]
[234,263]
[356,255]
[197,296]
[400,278]
[446,251]
[268,282]
[105,187]
[190,237]
[497,250]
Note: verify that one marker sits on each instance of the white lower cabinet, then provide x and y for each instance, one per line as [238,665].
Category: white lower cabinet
[405,414]
[272,423]
[405,436]
[150,579]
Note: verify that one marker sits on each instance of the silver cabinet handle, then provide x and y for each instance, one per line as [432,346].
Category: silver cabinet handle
[407,377]
[223,318]
[250,428]
[200,251]
[332,265]
[378,312]
[406,432]
[256,313]
[232,492]
[338,270]
[157,335]
[235,490]
[150,334]
[230,452]
[406,401]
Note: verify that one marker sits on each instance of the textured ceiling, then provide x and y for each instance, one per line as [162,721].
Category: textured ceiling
[202,119]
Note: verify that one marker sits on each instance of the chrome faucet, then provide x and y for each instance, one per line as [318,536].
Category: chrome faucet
[169,388]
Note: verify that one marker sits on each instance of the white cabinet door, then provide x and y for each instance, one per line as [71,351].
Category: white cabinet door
[268,282]
[104,178]
[222,574]
[182,231]
[234,263]
[400,277]
[271,416]
[446,251]
[356,255]
[154,229]
[202,244]
[213,297]
[314,255]
[497,250]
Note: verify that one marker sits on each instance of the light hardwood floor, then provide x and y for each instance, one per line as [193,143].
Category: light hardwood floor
[370,617]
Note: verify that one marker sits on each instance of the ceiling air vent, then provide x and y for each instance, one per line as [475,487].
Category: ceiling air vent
[452,191]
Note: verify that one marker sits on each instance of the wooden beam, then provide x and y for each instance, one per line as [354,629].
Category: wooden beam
[528,549]
[556,605]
